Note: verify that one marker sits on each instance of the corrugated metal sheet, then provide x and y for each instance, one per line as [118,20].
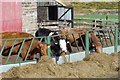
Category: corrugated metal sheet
[10,16]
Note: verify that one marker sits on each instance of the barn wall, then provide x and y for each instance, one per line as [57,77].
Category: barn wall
[11,16]
[0,16]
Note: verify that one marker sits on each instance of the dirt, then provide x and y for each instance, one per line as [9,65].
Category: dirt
[93,66]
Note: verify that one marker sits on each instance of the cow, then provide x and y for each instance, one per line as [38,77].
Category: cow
[58,45]
[37,46]
[66,33]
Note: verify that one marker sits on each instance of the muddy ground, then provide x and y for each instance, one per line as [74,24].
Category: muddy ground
[93,66]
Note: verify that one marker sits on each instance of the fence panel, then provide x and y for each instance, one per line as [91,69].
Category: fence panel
[107,37]
[94,23]
[13,42]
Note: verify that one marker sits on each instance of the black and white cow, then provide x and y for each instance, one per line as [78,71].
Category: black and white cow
[58,45]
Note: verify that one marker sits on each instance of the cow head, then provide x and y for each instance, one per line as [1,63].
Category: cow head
[98,47]
[43,47]
[95,43]
[58,43]
[63,45]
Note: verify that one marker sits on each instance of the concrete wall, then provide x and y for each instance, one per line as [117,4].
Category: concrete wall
[29,17]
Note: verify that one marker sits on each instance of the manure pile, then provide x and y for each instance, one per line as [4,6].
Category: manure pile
[94,65]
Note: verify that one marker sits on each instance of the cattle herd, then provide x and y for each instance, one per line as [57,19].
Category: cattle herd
[60,41]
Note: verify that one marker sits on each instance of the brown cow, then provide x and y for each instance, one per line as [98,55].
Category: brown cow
[37,46]
[119,27]
[76,31]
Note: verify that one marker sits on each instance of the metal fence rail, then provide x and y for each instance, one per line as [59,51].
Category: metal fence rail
[95,23]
